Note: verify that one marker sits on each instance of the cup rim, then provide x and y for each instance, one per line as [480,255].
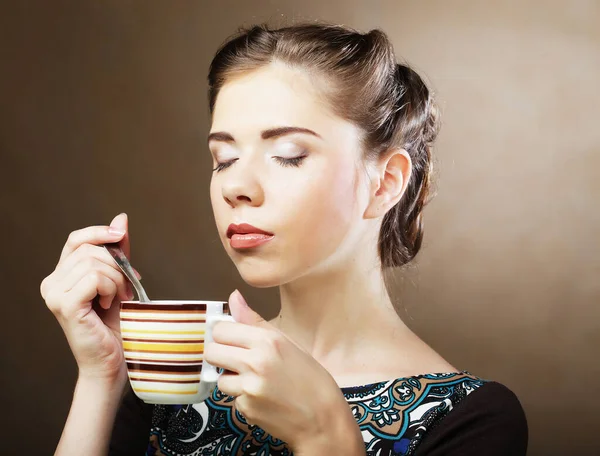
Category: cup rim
[174,301]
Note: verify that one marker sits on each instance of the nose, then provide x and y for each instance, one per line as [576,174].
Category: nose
[240,184]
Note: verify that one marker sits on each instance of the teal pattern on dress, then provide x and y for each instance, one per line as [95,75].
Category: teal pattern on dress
[394,416]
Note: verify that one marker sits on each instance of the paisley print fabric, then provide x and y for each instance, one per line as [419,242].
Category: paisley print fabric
[394,416]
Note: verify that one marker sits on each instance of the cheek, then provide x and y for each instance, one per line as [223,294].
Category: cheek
[322,211]
[213,197]
[217,202]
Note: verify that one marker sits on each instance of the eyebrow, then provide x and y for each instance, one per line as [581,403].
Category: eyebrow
[266,134]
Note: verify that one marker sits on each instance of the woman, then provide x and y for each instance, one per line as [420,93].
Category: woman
[322,143]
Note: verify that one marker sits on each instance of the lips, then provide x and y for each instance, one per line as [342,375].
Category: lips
[245,228]
[245,236]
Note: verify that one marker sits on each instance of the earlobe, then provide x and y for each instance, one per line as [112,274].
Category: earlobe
[389,179]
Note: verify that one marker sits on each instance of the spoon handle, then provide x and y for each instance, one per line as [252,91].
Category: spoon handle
[123,263]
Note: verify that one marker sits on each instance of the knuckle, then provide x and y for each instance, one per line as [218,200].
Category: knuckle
[222,384]
[53,302]
[72,239]
[240,405]
[250,415]
[71,236]
[89,263]
[261,365]
[226,382]
[243,407]
[43,287]
[87,249]
[245,365]
[95,277]
[273,342]
[254,386]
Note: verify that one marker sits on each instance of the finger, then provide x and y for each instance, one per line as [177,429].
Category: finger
[89,250]
[82,253]
[137,274]
[243,313]
[239,334]
[121,222]
[243,407]
[91,235]
[91,266]
[230,384]
[227,357]
[78,299]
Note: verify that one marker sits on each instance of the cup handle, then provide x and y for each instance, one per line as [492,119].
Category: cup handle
[209,372]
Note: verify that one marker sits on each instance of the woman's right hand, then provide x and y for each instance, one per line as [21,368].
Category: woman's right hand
[85,270]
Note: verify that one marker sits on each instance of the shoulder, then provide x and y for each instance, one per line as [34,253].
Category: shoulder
[494,402]
[490,420]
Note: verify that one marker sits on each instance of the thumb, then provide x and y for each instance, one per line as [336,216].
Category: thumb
[242,313]
[121,222]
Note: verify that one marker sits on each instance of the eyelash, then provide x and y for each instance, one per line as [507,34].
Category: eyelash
[296,161]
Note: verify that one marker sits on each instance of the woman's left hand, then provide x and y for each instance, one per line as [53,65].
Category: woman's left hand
[280,387]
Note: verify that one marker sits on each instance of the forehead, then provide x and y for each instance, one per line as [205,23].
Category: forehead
[274,95]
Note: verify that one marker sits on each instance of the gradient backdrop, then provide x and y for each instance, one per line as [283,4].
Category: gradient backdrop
[103,109]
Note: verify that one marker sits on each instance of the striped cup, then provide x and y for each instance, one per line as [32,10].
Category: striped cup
[163,343]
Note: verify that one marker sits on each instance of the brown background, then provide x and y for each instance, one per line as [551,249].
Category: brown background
[103,109]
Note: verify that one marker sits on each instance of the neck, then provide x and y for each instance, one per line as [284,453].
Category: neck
[331,315]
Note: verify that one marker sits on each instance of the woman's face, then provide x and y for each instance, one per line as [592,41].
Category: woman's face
[305,186]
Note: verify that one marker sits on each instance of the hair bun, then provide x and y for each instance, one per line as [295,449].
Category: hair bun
[417,108]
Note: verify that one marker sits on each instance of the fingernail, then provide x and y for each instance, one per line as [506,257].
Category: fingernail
[241,298]
[115,231]
[137,274]
[130,295]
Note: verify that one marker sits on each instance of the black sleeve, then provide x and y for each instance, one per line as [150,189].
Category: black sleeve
[131,430]
[490,421]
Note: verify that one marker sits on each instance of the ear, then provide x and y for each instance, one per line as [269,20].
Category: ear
[389,178]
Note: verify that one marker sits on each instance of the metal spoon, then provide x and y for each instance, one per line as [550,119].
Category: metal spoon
[123,263]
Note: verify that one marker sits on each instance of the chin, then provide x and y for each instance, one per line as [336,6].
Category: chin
[260,279]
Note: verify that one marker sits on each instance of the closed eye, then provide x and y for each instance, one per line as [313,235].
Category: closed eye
[290,161]
[296,161]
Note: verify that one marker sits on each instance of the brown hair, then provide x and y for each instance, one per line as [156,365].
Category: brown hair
[388,101]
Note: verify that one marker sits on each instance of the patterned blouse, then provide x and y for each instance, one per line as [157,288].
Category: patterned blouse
[394,417]
[447,414]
